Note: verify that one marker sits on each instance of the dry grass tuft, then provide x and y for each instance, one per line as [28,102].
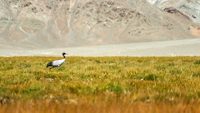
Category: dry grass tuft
[85,106]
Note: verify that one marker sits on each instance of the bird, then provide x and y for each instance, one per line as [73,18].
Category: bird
[56,63]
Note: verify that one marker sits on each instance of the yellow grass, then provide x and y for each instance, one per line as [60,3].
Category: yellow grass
[100,85]
[99,107]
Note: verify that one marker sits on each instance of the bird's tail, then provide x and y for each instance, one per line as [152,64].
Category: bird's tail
[49,64]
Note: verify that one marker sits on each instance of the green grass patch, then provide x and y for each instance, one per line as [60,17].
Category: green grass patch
[145,78]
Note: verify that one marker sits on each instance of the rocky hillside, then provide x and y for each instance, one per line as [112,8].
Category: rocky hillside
[190,8]
[61,23]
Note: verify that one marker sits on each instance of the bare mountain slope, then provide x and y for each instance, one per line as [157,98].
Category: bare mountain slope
[61,23]
[190,8]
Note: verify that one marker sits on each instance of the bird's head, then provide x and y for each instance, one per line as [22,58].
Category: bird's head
[64,53]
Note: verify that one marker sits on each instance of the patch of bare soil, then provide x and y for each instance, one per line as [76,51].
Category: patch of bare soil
[195,31]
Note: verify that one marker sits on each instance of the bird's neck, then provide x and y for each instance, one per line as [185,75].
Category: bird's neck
[63,56]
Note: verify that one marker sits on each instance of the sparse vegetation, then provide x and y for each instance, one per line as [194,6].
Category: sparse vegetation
[96,83]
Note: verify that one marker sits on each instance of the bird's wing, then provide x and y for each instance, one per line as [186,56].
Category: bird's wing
[58,62]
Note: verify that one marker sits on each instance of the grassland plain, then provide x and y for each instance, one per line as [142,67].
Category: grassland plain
[100,85]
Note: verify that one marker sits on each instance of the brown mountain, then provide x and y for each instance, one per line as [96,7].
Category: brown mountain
[62,23]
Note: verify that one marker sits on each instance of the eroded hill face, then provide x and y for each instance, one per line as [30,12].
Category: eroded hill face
[190,8]
[61,23]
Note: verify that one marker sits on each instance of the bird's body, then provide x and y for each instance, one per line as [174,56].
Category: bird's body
[56,63]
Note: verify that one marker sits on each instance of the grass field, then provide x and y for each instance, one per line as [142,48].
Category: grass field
[100,85]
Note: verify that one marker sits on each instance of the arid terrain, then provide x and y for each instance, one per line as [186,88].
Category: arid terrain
[187,47]
[46,24]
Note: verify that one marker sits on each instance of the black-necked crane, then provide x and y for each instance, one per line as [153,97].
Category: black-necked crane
[56,63]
